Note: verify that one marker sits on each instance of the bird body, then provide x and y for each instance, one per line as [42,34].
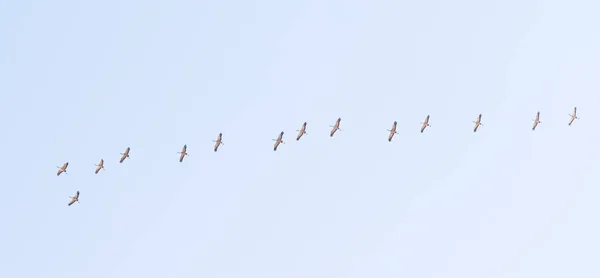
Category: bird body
[74,198]
[218,142]
[425,124]
[536,121]
[335,127]
[477,123]
[99,166]
[62,169]
[124,155]
[392,131]
[278,141]
[574,116]
[183,153]
[301,131]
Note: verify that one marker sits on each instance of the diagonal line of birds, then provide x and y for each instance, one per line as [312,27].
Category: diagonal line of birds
[279,140]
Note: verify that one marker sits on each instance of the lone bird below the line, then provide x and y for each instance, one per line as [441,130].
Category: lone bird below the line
[74,198]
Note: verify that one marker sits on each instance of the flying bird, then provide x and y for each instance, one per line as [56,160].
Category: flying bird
[536,121]
[278,141]
[218,141]
[301,131]
[425,124]
[74,198]
[62,169]
[477,123]
[124,155]
[392,131]
[99,166]
[335,127]
[183,153]
[574,116]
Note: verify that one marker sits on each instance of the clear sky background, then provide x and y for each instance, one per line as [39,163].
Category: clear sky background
[83,80]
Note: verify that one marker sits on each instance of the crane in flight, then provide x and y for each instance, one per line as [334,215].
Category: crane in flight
[124,155]
[392,131]
[301,131]
[183,153]
[62,169]
[99,166]
[335,127]
[574,116]
[536,121]
[278,141]
[219,141]
[74,198]
[477,123]
[425,124]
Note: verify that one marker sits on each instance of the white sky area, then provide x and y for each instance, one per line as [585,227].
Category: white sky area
[81,81]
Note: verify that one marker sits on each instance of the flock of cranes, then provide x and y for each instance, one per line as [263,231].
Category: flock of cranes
[279,140]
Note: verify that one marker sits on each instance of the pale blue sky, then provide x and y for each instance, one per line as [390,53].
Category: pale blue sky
[83,80]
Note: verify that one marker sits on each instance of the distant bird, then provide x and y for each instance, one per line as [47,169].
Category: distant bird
[425,124]
[477,123]
[536,121]
[183,153]
[336,127]
[278,141]
[99,166]
[574,116]
[74,198]
[392,131]
[124,155]
[301,131]
[218,141]
[62,169]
